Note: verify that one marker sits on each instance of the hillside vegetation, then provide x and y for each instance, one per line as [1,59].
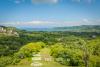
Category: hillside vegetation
[67,48]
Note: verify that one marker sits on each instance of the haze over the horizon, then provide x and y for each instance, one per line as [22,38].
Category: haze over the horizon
[49,13]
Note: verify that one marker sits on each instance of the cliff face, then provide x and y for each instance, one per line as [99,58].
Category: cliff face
[9,31]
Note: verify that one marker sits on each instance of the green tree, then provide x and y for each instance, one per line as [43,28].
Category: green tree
[27,50]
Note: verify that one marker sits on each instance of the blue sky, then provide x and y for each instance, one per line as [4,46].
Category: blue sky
[49,13]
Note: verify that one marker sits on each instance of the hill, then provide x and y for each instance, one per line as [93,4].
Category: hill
[82,28]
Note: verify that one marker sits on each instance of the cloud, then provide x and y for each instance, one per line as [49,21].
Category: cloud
[86,1]
[86,20]
[44,1]
[51,23]
[76,0]
[17,1]
[49,1]
[30,23]
[35,1]
[56,1]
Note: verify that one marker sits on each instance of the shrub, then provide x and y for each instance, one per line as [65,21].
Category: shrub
[67,56]
[94,61]
[29,49]
[5,61]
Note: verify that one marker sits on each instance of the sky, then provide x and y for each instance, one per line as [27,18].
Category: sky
[49,13]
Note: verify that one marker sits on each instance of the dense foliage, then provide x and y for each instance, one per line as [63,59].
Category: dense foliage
[29,49]
[67,48]
[77,52]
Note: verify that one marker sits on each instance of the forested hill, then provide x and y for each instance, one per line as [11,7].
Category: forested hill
[82,28]
[66,47]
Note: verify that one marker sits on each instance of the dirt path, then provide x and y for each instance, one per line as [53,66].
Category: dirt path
[45,52]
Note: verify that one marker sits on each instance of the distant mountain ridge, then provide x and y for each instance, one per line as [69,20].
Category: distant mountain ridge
[82,28]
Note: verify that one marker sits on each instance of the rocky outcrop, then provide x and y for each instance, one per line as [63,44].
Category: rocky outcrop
[8,31]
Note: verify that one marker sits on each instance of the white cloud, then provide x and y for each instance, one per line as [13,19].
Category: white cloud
[52,23]
[38,22]
[17,1]
[36,1]
[30,23]
[49,1]
[76,0]
[86,20]
[44,1]
[87,1]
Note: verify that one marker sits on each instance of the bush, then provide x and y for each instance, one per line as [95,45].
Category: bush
[67,56]
[5,61]
[94,61]
[29,49]
[16,61]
